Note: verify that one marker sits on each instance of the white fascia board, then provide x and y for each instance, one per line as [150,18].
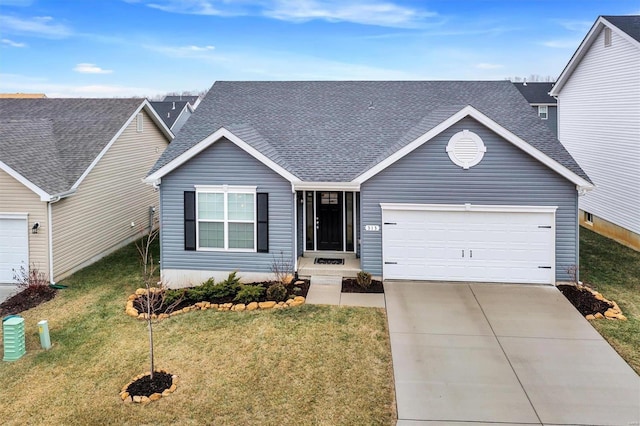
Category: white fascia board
[469,208]
[14,215]
[584,47]
[492,125]
[326,186]
[206,143]
[186,106]
[154,117]
[44,195]
[544,104]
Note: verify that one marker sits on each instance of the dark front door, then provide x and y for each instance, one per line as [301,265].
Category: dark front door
[329,220]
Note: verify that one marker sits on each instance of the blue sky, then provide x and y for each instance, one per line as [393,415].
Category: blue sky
[104,48]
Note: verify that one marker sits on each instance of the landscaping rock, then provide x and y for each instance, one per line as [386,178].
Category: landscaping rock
[137,399]
[163,316]
[599,316]
[128,400]
[299,282]
[590,317]
[252,306]
[267,305]
[124,395]
[145,400]
[173,387]
[239,307]
[155,396]
[610,313]
[166,393]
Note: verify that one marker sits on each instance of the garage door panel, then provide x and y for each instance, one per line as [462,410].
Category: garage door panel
[481,246]
[14,247]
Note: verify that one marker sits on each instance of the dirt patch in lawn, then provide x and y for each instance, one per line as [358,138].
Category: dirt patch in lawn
[350,285]
[28,298]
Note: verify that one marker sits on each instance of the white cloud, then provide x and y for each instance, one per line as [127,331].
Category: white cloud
[384,13]
[14,83]
[43,26]
[12,43]
[86,68]
[367,12]
[199,48]
[488,66]
[581,27]
[191,7]
[562,43]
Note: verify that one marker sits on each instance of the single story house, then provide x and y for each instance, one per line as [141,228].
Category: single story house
[427,180]
[599,123]
[71,188]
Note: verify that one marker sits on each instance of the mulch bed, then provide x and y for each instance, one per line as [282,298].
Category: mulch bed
[584,301]
[303,286]
[28,298]
[145,386]
[349,285]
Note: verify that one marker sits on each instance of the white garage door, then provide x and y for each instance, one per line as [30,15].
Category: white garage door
[469,243]
[14,246]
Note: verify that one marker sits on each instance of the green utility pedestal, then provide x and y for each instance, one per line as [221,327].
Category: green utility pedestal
[13,336]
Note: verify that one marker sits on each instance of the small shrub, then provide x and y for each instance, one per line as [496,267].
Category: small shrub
[29,278]
[249,293]
[276,292]
[363,279]
[211,291]
[282,268]
[296,290]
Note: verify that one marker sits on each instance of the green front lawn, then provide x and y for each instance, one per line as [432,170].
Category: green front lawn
[305,365]
[614,270]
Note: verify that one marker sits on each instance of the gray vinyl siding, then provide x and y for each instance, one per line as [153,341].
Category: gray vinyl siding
[505,176]
[224,163]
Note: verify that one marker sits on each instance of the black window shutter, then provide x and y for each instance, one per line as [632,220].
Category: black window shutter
[189,220]
[263,222]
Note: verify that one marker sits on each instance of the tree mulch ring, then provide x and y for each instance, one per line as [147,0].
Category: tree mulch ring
[584,301]
[145,386]
[350,285]
[28,298]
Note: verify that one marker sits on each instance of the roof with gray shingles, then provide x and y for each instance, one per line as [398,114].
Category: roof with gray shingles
[333,131]
[537,92]
[191,99]
[169,111]
[629,24]
[51,142]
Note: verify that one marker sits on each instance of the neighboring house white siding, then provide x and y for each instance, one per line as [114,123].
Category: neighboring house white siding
[97,219]
[17,198]
[599,123]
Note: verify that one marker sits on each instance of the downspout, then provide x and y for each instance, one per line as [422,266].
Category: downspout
[49,219]
[295,230]
[53,199]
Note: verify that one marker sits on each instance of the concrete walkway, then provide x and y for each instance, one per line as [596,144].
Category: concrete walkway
[509,354]
[326,290]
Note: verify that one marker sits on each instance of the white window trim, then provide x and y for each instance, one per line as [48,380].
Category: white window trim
[226,190]
[140,122]
[588,218]
[543,109]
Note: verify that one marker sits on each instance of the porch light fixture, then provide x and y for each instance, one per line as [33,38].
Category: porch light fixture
[35,227]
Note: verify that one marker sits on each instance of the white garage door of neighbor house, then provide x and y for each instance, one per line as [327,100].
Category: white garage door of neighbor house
[507,244]
[14,246]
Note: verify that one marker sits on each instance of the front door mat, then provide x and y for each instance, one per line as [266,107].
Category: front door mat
[327,261]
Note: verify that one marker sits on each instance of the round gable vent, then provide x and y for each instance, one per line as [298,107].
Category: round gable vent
[466,149]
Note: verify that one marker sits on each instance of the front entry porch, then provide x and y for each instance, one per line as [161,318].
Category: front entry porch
[308,265]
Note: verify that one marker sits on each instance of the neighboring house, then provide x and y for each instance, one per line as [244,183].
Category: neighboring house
[173,113]
[599,123]
[194,101]
[71,187]
[545,105]
[452,181]
[22,95]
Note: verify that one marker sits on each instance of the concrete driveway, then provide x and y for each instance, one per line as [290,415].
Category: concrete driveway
[6,291]
[500,353]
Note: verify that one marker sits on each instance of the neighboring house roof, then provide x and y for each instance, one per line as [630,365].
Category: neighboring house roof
[335,131]
[628,27]
[22,95]
[194,101]
[51,144]
[169,111]
[537,92]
